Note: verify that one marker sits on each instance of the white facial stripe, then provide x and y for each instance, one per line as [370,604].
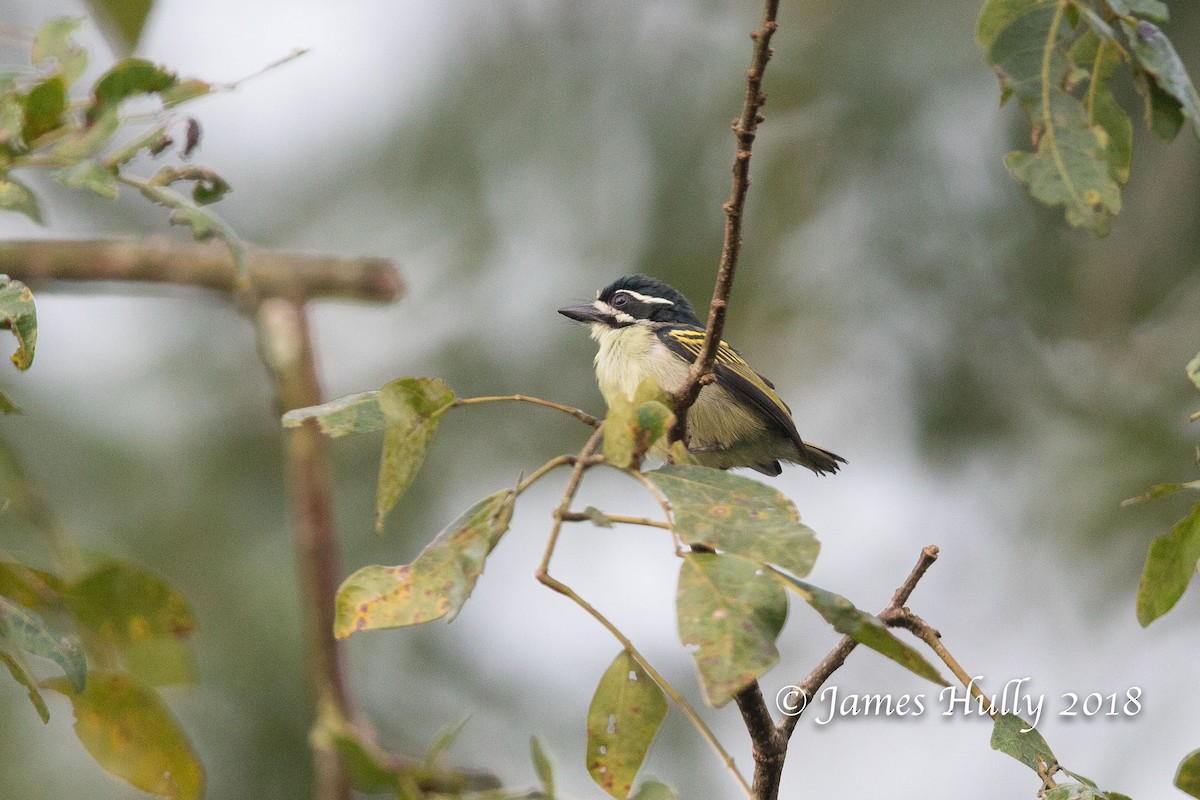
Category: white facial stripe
[621,316]
[645,298]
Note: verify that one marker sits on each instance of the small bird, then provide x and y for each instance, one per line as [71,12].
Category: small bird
[647,328]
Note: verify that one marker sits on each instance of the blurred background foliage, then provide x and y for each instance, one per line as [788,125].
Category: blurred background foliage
[998,382]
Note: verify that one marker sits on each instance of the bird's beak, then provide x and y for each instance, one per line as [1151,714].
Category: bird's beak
[585,312]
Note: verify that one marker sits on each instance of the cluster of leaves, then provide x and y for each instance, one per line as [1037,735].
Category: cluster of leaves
[132,627]
[1019,739]
[741,546]
[1172,562]
[1058,59]
[42,126]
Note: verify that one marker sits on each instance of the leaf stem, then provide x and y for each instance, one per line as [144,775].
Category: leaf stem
[582,416]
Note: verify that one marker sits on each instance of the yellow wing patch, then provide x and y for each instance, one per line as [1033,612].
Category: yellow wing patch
[693,341]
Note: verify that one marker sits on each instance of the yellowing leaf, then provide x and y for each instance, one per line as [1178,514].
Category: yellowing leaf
[412,409]
[730,613]
[1187,779]
[128,730]
[19,315]
[626,712]
[435,585]
[735,514]
[21,674]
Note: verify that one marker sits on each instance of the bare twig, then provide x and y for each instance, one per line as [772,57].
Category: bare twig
[582,416]
[209,266]
[836,657]
[745,128]
[769,745]
[562,513]
[286,349]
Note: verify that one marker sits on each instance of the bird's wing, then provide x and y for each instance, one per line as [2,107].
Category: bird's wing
[736,376]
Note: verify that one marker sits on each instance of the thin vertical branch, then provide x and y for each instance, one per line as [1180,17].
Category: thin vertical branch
[745,128]
[286,349]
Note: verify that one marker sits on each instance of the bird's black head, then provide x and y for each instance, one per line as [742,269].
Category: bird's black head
[635,298]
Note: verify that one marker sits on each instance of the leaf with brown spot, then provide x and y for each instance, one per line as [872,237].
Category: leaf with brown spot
[127,729]
[739,515]
[435,585]
[626,712]
[19,314]
[730,612]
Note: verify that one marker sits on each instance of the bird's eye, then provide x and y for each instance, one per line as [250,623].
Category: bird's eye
[620,301]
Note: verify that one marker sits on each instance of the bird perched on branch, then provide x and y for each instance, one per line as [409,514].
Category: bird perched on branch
[646,328]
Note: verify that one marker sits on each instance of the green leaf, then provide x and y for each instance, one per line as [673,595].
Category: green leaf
[12,113]
[21,674]
[126,78]
[44,107]
[1162,113]
[412,409]
[443,740]
[1170,565]
[996,15]
[735,514]
[1150,9]
[626,712]
[864,628]
[1070,167]
[16,196]
[89,175]
[128,730]
[1017,53]
[542,765]
[89,141]
[28,587]
[7,406]
[435,585]
[1029,747]
[124,605]
[634,425]
[19,315]
[730,613]
[371,769]
[1187,779]
[204,226]
[1153,51]
[54,40]
[183,91]
[1160,490]
[155,141]
[653,790]
[28,631]
[122,20]
[355,413]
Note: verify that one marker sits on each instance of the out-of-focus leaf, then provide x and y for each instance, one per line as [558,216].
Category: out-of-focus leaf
[1193,371]
[1160,490]
[1016,53]
[1154,52]
[1187,779]
[435,585]
[1169,568]
[1029,747]
[730,613]
[185,90]
[161,662]
[633,425]
[21,674]
[735,514]
[128,730]
[19,315]
[155,141]
[444,739]
[412,409]
[653,790]
[12,113]
[864,628]
[356,413]
[1162,112]
[370,768]
[996,15]
[122,20]
[626,712]
[54,40]
[124,604]
[16,196]
[203,225]
[7,406]
[28,587]
[1155,10]
[89,141]
[1070,167]
[126,78]
[542,765]
[26,630]
[44,107]
[89,175]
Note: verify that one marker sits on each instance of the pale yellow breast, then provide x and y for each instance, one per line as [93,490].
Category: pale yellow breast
[628,355]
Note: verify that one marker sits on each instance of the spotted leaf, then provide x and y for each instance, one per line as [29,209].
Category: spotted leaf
[626,711]
[412,409]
